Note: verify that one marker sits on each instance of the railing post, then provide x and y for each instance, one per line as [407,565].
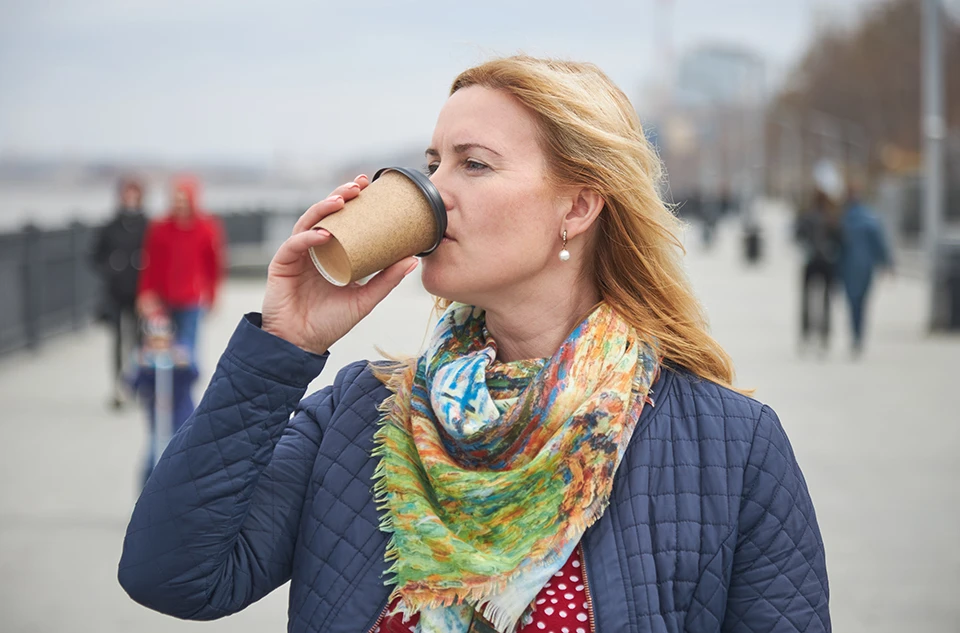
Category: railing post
[79,256]
[31,271]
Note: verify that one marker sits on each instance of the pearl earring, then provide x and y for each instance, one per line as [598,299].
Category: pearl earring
[564,254]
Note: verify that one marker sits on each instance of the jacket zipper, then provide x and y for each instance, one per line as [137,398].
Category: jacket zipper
[383,613]
[586,589]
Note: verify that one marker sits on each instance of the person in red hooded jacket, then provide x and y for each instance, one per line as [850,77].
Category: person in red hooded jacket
[185,261]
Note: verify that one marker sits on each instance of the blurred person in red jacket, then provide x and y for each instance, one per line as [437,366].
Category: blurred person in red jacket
[185,256]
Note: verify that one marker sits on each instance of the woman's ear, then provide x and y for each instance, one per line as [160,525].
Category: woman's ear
[585,207]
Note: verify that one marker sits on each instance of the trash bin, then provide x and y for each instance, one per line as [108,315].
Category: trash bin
[752,244]
[946,284]
[953,290]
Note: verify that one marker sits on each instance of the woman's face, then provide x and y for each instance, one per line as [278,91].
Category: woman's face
[504,218]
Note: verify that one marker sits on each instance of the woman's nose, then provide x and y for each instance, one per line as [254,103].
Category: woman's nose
[439,182]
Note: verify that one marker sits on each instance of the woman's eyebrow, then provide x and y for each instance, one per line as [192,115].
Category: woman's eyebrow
[462,148]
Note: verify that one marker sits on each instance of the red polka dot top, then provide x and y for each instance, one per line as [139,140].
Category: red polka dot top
[562,606]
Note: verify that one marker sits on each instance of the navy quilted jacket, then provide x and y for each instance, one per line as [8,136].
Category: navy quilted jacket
[710,526]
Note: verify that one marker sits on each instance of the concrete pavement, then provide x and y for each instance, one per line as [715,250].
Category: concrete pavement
[878,441]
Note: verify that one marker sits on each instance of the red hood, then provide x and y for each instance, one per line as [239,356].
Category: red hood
[190,186]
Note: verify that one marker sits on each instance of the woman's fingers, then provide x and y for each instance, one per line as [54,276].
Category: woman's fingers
[293,249]
[317,212]
[333,203]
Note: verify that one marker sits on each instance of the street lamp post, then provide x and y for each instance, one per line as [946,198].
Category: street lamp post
[932,125]
[933,128]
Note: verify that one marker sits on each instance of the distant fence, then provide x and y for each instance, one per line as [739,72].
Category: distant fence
[48,285]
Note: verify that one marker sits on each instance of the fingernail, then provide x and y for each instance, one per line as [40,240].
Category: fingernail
[411,268]
[359,177]
[335,198]
[353,185]
[322,231]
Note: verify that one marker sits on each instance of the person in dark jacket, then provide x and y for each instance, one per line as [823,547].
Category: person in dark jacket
[865,249]
[118,259]
[820,235]
[566,453]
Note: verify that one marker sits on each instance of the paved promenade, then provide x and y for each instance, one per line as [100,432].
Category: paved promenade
[878,439]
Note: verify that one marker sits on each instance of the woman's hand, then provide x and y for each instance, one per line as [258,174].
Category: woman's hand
[302,307]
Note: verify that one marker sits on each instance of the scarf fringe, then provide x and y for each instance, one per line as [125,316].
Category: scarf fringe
[394,411]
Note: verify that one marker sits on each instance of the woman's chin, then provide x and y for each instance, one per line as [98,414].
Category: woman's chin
[440,281]
[433,281]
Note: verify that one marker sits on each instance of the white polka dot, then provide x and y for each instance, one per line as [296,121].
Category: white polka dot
[581,630]
[561,586]
[541,625]
[572,606]
[549,584]
[564,630]
[579,587]
[527,619]
[541,600]
[585,606]
[548,610]
[582,617]
[551,592]
[559,573]
[574,579]
[563,614]
[576,563]
[568,596]
[553,601]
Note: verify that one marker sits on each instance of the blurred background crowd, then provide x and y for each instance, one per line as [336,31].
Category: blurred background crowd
[154,155]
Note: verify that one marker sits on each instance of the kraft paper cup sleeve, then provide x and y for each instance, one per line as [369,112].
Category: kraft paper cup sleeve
[398,215]
[432,194]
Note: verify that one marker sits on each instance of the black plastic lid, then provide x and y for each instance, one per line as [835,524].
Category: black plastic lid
[432,194]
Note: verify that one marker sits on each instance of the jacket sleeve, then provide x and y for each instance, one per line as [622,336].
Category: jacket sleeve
[215,526]
[779,577]
[147,281]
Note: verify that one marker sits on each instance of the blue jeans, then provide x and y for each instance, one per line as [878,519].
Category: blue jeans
[858,306]
[186,321]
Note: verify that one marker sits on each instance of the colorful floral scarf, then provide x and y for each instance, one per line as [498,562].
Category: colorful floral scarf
[490,472]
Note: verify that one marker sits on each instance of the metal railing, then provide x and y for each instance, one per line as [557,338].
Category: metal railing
[48,285]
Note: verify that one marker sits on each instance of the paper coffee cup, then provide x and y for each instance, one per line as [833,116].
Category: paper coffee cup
[399,214]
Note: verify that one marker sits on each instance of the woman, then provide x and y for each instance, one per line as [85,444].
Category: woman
[820,235]
[185,261]
[570,414]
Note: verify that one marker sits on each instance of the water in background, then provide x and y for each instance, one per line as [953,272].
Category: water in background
[53,205]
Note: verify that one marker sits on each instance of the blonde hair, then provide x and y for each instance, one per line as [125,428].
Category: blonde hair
[592,137]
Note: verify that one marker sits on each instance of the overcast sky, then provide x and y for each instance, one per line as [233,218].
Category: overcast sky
[322,81]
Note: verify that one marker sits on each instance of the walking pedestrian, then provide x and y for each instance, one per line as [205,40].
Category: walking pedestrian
[567,454]
[865,249]
[118,259]
[185,257]
[819,233]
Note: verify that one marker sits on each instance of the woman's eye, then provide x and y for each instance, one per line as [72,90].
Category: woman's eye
[431,168]
[473,165]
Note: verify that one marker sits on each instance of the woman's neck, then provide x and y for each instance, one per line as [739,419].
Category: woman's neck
[536,325]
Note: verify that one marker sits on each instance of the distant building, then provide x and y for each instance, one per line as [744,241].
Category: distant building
[711,131]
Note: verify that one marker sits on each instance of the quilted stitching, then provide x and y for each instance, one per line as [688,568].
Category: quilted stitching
[710,526]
